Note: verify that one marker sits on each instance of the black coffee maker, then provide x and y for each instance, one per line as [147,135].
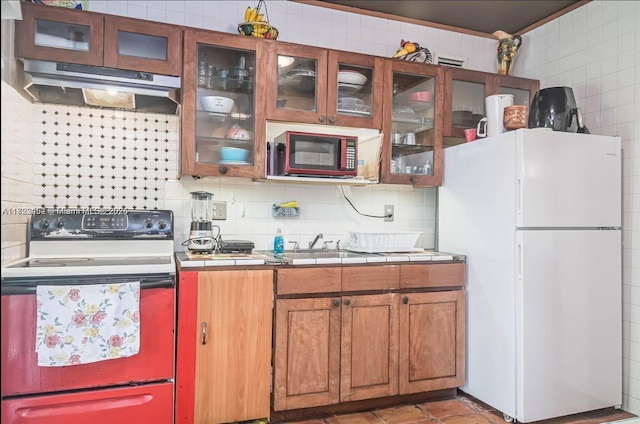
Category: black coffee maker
[556,108]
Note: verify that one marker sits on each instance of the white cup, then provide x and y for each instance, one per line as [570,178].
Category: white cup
[410,139]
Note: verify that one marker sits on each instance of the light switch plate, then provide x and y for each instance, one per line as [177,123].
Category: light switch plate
[219,211]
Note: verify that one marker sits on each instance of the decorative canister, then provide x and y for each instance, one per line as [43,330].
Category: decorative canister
[515,117]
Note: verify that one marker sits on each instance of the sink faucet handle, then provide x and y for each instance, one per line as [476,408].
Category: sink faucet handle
[295,245]
[325,244]
[338,245]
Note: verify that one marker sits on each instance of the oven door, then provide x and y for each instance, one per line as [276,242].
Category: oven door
[146,404]
[21,374]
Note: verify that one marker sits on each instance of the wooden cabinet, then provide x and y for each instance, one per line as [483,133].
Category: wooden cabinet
[369,339]
[224,338]
[319,86]
[432,340]
[74,36]
[412,124]
[307,353]
[465,93]
[369,346]
[223,105]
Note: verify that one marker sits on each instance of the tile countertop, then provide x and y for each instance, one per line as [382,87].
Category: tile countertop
[191,260]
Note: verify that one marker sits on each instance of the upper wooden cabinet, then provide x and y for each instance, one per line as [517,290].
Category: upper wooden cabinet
[223,105]
[74,36]
[465,93]
[412,123]
[319,86]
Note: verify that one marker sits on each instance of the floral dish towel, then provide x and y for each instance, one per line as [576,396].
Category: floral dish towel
[81,324]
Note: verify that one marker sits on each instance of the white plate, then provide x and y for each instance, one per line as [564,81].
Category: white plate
[233,162]
[344,87]
[351,77]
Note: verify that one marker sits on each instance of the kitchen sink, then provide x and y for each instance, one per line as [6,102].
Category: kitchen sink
[316,254]
[312,254]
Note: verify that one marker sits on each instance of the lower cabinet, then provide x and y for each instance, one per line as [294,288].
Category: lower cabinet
[354,346]
[223,369]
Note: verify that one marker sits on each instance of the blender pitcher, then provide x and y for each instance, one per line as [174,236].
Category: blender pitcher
[201,235]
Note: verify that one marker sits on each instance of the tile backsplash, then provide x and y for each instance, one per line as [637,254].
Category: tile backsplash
[102,158]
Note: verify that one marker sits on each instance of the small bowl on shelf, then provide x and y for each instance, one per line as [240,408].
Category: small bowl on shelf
[233,154]
[421,97]
[217,104]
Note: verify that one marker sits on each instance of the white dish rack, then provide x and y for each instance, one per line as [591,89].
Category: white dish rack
[383,242]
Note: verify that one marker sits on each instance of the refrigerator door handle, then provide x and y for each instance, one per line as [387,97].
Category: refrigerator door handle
[519,259]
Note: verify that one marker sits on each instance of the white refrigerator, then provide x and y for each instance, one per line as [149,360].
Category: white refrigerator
[538,214]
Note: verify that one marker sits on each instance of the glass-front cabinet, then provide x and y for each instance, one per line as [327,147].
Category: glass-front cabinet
[464,102]
[320,86]
[412,147]
[222,114]
[60,34]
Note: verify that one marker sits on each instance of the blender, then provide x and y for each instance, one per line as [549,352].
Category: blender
[201,235]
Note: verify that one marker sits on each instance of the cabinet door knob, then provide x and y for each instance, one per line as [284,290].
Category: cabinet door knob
[332,119]
[223,170]
[323,118]
[336,302]
[405,300]
[204,333]
[347,302]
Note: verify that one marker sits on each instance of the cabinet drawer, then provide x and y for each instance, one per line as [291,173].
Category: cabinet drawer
[432,275]
[308,280]
[371,278]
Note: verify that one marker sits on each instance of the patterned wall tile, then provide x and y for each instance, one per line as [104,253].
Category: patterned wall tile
[102,158]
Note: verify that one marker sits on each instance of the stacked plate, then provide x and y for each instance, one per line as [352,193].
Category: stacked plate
[352,105]
[351,81]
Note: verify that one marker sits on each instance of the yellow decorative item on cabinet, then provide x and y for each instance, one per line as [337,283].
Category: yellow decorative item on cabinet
[255,25]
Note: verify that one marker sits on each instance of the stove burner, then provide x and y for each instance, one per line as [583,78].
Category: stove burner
[57,261]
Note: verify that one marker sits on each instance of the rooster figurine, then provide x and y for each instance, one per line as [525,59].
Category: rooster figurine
[413,52]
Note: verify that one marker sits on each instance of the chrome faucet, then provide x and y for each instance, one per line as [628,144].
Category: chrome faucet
[315,240]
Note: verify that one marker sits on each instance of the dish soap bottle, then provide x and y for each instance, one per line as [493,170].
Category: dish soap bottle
[278,243]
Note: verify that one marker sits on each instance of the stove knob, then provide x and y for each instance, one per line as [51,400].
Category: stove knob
[148,223]
[60,222]
[44,224]
[162,224]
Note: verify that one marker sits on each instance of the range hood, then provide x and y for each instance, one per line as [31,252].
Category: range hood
[93,86]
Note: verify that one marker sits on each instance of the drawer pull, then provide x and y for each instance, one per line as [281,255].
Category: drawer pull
[405,300]
[347,302]
[336,302]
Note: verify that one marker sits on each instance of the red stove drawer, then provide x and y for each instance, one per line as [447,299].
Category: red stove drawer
[147,404]
[22,375]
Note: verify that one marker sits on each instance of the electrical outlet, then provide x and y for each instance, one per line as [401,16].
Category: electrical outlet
[219,210]
[388,213]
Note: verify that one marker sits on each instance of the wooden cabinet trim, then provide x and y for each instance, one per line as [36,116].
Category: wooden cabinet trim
[308,280]
[432,275]
[386,277]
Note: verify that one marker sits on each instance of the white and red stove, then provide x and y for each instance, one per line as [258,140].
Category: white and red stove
[89,247]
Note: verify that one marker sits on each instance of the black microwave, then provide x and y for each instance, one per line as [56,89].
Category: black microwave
[311,154]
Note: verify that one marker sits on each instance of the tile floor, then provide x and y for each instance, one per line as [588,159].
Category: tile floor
[462,409]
